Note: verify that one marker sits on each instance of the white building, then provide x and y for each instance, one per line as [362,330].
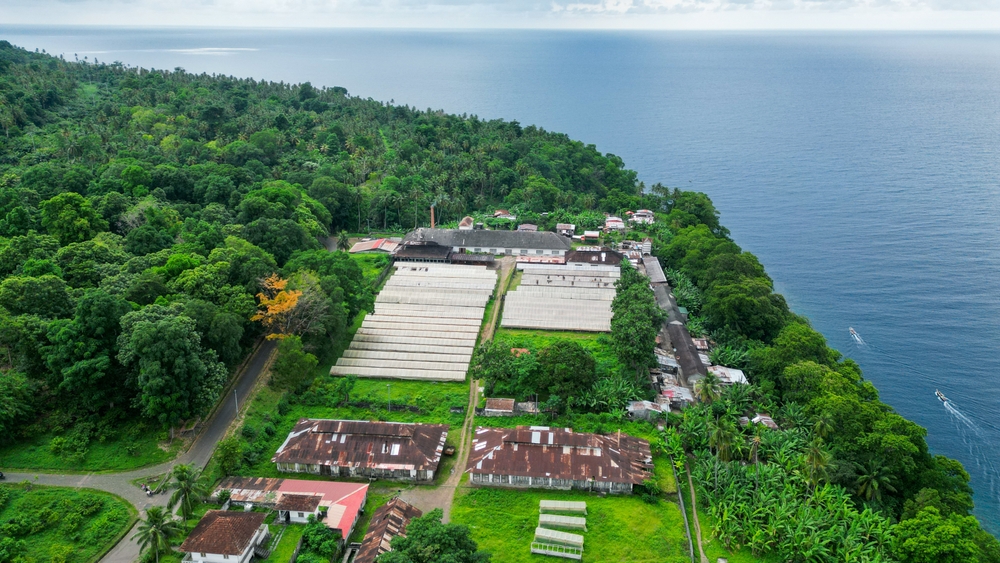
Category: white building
[613,223]
[226,537]
[728,376]
[643,216]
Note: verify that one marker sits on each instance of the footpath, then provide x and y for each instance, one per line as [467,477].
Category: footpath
[198,454]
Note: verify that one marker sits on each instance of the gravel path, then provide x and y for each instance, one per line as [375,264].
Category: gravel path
[197,454]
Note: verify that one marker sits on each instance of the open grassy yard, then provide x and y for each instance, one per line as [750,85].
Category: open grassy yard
[291,533]
[599,344]
[619,528]
[121,450]
[62,525]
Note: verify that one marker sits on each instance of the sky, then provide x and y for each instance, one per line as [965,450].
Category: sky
[556,14]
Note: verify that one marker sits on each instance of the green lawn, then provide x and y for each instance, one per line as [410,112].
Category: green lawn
[619,528]
[121,450]
[371,264]
[62,525]
[598,344]
[282,552]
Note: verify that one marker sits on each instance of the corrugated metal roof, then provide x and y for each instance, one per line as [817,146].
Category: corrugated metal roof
[364,444]
[562,506]
[388,521]
[555,536]
[559,521]
[482,238]
[559,453]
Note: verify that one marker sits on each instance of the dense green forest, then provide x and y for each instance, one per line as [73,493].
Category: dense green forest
[141,213]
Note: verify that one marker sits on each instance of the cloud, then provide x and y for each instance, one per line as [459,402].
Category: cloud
[639,14]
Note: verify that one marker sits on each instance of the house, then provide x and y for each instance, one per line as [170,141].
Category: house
[499,407]
[527,228]
[759,418]
[337,504]
[642,216]
[359,448]
[645,410]
[390,520]
[728,376]
[590,236]
[675,396]
[466,224]
[296,509]
[566,229]
[612,223]
[515,243]
[603,257]
[226,537]
[503,214]
[647,246]
[378,245]
[558,458]
[701,344]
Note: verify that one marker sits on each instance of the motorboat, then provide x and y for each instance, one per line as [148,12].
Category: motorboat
[941,396]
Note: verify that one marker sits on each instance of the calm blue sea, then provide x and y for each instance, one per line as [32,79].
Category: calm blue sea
[863,169]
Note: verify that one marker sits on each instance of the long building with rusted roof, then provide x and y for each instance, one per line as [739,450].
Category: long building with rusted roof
[360,448]
[558,458]
[388,522]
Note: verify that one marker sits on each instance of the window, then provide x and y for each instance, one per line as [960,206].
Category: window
[301,515]
[538,251]
[524,251]
[493,251]
[202,554]
[478,250]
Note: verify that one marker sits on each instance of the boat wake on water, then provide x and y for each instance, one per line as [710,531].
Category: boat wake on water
[974,438]
[856,337]
[972,434]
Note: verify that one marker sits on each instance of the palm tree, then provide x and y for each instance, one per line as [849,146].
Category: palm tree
[189,488]
[708,389]
[156,531]
[817,461]
[823,426]
[343,241]
[874,478]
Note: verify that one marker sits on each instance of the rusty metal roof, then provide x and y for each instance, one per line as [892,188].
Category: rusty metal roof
[223,533]
[560,453]
[298,503]
[364,444]
[389,521]
[506,405]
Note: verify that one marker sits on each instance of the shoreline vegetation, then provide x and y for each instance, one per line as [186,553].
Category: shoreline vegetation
[155,224]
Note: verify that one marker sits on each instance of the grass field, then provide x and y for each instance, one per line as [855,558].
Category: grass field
[282,553]
[119,451]
[62,525]
[597,343]
[619,528]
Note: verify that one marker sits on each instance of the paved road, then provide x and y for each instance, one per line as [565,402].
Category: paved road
[197,454]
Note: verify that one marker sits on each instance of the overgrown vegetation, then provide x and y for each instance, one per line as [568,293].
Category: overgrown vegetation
[59,524]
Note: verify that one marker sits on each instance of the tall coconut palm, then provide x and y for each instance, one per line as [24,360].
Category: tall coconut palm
[189,488]
[873,479]
[817,461]
[708,389]
[156,531]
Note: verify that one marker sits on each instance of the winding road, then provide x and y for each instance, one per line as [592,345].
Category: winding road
[198,454]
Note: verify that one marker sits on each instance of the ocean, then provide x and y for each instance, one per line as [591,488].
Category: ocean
[863,169]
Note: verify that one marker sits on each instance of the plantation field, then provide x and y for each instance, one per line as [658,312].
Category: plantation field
[59,524]
[619,528]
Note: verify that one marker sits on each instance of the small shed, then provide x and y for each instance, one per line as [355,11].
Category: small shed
[766,420]
[729,376]
[590,235]
[499,407]
[566,229]
[554,536]
[466,224]
[527,228]
[559,521]
[562,506]
[645,410]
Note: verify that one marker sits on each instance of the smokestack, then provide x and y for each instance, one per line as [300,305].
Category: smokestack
[432,216]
